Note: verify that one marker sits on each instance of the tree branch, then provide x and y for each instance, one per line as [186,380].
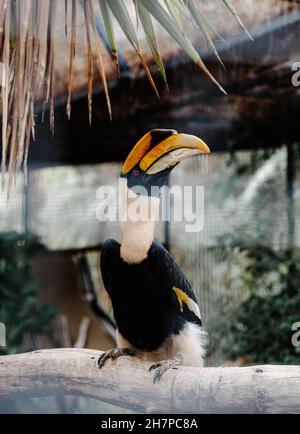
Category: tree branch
[127,383]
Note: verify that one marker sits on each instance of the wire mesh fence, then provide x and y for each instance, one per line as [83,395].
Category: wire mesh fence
[59,205]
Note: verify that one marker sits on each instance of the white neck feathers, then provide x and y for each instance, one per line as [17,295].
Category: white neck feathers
[138,223]
[136,241]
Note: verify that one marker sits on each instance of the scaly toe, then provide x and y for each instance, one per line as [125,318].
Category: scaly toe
[103,358]
[159,373]
[164,366]
[114,354]
[155,366]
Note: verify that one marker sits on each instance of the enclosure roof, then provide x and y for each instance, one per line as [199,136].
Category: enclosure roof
[253,13]
[260,110]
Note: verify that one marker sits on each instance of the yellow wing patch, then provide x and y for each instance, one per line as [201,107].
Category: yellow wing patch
[184,298]
[181,296]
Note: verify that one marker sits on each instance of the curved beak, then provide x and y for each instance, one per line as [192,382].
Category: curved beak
[171,151]
[166,154]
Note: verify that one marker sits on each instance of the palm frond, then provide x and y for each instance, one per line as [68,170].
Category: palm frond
[233,11]
[155,9]
[107,20]
[5,82]
[72,55]
[148,27]
[100,62]
[66,18]
[28,31]
[174,8]
[121,14]
[202,24]
[89,58]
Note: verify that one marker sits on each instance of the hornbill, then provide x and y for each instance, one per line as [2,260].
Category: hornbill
[155,308]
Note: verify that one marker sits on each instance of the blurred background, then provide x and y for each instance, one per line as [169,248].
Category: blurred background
[244,265]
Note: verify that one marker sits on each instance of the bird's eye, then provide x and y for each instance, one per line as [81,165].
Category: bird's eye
[136,172]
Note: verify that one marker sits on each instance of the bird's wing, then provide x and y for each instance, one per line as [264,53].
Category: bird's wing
[110,254]
[172,278]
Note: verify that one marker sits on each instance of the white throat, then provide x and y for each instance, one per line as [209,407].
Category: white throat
[138,223]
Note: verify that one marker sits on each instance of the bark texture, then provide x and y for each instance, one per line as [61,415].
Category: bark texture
[126,382]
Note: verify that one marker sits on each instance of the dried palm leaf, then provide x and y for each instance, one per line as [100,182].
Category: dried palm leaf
[121,14]
[89,59]
[155,9]
[5,84]
[233,11]
[106,15]
[100,62]
[50,78]
[3,9]
[72,56]
[27,56]
[66,18]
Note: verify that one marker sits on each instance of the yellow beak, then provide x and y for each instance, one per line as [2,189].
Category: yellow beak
[165,154]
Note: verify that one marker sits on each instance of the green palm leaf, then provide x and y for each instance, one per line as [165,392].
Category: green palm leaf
[233,11]
[27,54]
[107,19]
[200,21]
[175,7]
[155,9]
[147,24]
[121,14]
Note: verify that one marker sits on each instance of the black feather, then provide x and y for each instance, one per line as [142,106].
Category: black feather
[145,306]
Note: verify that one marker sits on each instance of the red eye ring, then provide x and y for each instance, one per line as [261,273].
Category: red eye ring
[135,172]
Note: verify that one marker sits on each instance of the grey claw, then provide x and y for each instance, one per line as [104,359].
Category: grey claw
[158,374]
[102,359]
[164,366]
[114,354]
[156,365]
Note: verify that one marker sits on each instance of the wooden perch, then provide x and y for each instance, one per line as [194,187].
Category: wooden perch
[127,383]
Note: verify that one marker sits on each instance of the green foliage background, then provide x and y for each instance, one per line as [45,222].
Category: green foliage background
[260,328]
[20,310]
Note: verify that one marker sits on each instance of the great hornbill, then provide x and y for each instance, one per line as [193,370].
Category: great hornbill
[155,308]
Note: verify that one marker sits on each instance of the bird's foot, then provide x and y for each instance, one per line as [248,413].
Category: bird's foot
[114,354]
[164,365]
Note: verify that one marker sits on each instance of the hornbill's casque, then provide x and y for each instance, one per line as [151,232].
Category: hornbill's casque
[154,305]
